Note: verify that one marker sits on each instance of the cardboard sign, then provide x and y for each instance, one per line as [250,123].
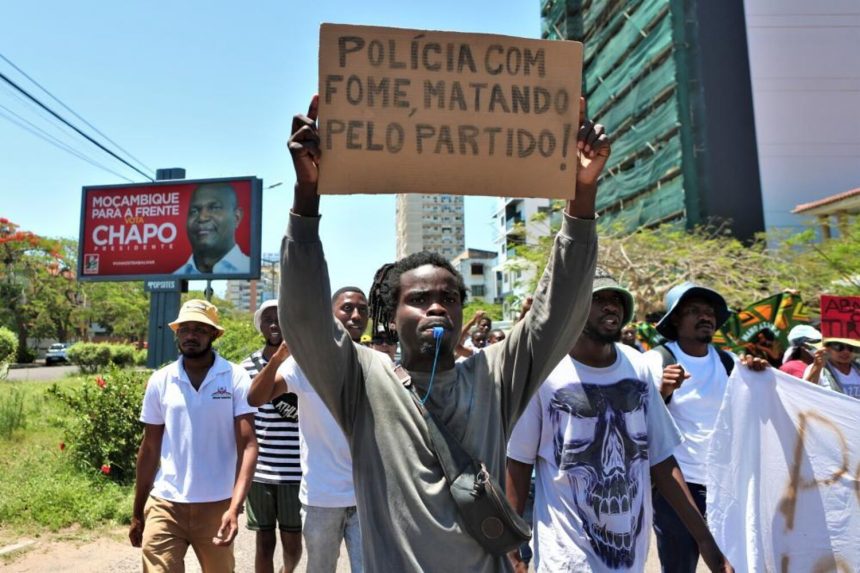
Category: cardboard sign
[840,316]
[171,230]
[416,111]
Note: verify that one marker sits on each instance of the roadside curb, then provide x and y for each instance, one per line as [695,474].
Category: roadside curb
[15,547]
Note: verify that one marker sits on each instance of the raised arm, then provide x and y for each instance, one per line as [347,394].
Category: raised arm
[318,342]
[562,299]
[267,384]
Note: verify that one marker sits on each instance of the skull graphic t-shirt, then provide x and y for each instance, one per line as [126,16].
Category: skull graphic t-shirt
[593,434]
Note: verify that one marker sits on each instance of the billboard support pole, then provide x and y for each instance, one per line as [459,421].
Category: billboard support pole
[163,304]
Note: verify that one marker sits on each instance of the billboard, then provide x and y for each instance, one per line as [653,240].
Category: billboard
[202,229]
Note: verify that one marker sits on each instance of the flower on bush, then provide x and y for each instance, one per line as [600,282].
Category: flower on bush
[100,381]
[103,423]
[106,469]
[62,446]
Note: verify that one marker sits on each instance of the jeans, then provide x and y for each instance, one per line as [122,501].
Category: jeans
[678,551]
[323,529]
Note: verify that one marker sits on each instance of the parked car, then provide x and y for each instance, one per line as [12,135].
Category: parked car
[56,354]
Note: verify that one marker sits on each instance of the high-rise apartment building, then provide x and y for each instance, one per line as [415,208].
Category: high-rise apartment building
[670,79]
[430,223]
[249,295]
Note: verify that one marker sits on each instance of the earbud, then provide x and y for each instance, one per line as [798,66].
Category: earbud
[438,331]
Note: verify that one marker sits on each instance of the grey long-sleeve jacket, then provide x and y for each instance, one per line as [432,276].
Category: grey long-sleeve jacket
[408,519]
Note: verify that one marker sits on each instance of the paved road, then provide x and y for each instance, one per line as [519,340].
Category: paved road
[41,373]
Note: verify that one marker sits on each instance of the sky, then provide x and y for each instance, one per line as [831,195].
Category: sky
[210,86]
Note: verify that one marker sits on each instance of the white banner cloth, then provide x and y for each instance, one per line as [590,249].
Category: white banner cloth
[784,476]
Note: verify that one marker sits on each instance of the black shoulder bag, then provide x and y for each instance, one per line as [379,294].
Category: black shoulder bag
[486,513]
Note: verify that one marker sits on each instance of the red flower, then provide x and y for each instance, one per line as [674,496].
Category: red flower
[62,446]
[100,382]
[106,469]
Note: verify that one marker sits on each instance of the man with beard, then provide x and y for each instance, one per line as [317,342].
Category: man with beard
[327,494]
[199,436]
[600,436]
[402,494]
[213,215]
[274,496]
[692,376]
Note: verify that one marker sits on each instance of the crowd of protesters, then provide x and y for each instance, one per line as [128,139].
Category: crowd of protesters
[328,437]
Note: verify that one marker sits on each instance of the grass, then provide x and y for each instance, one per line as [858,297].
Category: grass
[40,489]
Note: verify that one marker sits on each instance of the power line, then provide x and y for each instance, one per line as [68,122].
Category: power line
[73,112]
[65,121]
[45,136]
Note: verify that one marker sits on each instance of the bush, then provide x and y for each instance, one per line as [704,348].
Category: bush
[122,354]
[8,345]
[11,411]
[25,355]
[140,357]
[103,432]
[240,338]
[89,356]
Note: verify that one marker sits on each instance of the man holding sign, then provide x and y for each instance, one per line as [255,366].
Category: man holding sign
[409,519]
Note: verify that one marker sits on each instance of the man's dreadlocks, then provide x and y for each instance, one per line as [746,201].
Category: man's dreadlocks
[385,291]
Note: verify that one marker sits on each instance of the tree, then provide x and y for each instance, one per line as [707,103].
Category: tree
[36,285]
[652,260]
[122,308]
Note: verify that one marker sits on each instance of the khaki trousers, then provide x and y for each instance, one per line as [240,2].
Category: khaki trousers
[169,528]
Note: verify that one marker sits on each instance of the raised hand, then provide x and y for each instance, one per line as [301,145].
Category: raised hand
[304,146]
[673,376]
[593,149]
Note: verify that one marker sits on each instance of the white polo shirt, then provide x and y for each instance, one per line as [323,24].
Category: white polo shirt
[198,451]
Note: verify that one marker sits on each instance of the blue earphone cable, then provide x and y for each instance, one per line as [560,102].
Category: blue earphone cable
[437,334]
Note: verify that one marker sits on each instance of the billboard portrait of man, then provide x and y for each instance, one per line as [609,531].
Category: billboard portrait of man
[211,222]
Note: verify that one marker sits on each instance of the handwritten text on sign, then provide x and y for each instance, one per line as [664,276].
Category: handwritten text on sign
[840,316]
[410,111]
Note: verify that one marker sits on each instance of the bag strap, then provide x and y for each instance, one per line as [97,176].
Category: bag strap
[451,455]
[726,359]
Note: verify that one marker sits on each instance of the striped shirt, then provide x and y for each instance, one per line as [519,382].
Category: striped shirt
[277,427]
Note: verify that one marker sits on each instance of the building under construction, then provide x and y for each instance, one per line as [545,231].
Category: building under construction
[670,80]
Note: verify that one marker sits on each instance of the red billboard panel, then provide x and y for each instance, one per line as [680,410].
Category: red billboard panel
[188,229]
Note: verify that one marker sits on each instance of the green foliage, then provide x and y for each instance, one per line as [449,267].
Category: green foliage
[122,308]
[12,416]
[25,355]
[652,260]
[103,428]
[122,354]
[240,337]
[8,345]
[41,488]
[90,356]
[494,311]
[140,357]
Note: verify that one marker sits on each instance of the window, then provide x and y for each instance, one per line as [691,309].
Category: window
[477,269]
[478,290]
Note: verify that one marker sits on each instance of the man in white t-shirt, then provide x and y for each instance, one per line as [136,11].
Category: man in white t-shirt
[326,492]
[199,437]
[692,376]
[599,435]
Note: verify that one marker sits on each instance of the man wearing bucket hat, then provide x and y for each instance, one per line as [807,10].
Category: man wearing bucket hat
[836,366]
[274,496]
[600,435]
[692,376]
[197,457]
